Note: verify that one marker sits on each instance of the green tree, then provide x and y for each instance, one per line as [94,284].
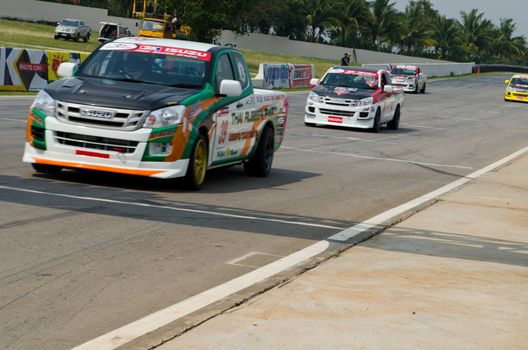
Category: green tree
[476,33]
[446,37]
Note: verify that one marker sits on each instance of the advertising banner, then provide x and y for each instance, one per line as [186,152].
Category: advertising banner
[276,76]
[55,58]
[301,74]
[23,69]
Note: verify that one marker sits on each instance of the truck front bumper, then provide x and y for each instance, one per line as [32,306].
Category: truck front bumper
[75,155]
[354,117]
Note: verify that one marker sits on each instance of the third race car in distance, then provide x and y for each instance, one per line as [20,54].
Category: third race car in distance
[409,77]
[356,97]
[517,88]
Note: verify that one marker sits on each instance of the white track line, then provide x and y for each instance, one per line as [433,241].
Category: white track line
[377,158]
[95,199]
[149,323]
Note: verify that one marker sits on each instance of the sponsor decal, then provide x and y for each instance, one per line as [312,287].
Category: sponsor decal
[32,67]
[37,119]
[344,90]
[243,135]
[160,134]
[92,113]
[334,119]
[173,51]
[119,46]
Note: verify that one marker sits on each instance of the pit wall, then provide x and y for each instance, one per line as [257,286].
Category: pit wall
[433,69]
[32,70]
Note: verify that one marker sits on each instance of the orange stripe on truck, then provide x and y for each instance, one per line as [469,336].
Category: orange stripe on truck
[97,167]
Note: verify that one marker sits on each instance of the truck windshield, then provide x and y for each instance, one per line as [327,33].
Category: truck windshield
[403,71]
[143,67]
[68,23]
[351,79]
[153,26]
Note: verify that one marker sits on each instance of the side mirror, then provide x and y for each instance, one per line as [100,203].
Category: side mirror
[137,24]
[388,88]
[314,81]
[230,88]
[66,70]
[506,82]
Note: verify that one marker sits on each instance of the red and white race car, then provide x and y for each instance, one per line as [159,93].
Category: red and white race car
[355,97]
[409,77]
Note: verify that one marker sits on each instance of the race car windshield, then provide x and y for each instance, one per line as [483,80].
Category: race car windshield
[351,80]
[143,67]
[403,71]
[68,23]
[153,26]
[520,82]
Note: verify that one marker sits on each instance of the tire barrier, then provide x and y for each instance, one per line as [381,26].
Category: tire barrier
[499,68]
[32,70]
[287,75]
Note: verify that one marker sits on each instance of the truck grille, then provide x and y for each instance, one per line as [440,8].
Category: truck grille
[95,142]
[112,118]
[337,112]
[338,101]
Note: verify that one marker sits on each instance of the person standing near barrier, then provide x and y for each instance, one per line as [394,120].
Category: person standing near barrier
[345,60]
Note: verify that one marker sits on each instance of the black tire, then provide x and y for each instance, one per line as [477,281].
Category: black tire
[86,38]
[309,124]
[56,37]
[46,169]
[196,171]
[416,88]
[77,37]
[395,122]
[422,91]
[377,119]
[260,164]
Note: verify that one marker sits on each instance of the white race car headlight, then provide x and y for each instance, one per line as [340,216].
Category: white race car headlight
[365,102]
[165,117]
[512,89]
[313,97]
[44,103]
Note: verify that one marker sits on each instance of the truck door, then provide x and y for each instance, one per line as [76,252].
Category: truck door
[386,98]
[231,124]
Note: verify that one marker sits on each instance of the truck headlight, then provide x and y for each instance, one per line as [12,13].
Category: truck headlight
[365,102]
[313,97]
[44,103]
[165,117]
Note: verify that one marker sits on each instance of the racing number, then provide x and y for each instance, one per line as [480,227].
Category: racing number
[223,132]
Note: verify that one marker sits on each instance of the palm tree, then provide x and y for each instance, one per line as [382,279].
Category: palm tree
[317,18]
[476,32]
[416,29]
[384,22]
[446,33]
[504,45]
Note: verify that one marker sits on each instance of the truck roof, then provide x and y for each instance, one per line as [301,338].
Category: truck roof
[182,44]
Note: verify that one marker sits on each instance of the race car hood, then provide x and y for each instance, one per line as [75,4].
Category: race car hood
[520,87]
[116,94]
[343,92]
[403,76]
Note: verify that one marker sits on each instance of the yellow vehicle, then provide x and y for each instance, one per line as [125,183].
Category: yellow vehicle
[517,88]
[160,28]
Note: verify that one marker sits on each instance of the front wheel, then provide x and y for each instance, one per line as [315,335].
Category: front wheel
[195,176]
[395,122]
[46,169]
[87,37]
[423,89]
[377,126]
[309,124]
[260,164]
[77,37]
[416,87]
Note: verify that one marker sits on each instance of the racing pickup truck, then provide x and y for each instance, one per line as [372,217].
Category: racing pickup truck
[356,97]
[156,107]
[410,78]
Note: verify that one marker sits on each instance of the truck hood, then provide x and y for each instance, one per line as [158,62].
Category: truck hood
[343,92]
[116,94]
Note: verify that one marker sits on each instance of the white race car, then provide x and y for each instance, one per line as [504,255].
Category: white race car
[356,97]
[410,78]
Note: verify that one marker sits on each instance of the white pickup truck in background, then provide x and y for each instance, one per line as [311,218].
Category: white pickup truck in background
[410,78]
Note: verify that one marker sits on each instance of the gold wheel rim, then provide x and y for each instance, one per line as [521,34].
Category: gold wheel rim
[200,162]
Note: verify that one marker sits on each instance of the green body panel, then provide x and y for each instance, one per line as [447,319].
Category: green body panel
[39,114]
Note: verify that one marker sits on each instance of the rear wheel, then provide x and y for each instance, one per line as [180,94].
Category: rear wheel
[197,168]
[395,122]
[261,163]
[46,169]
[376,126]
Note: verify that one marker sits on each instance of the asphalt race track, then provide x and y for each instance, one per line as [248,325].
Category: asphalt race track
[84,253]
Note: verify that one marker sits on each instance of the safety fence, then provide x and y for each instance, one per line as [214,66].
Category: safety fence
[32,70]
[286,75]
